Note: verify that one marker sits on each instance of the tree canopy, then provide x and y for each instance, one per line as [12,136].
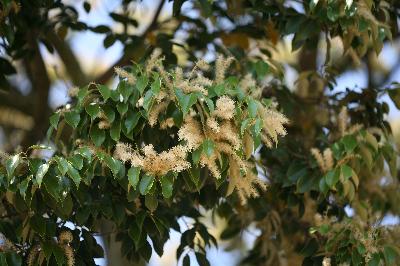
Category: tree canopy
[197,120]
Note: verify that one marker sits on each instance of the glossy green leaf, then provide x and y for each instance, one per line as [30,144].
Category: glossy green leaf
[252,107]
[151,202]
[196,155]
[12,163]
[41,173]
[72,117]
[349,142]
[112,163]
[115,130]
[54,119]
[76,161]
[346,171]
[74,174]
[167,185]
[93,110]
[332,177]
[104,91]
[109,112]
[62,165]
[131,120]
[141,83]
[133,176]
[146,183]
[97,135]
[122,108]
[186,101]
[208,147]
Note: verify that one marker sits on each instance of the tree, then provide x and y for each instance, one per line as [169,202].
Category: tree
[218,132]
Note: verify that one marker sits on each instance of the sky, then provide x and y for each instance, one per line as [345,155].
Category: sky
[94,58]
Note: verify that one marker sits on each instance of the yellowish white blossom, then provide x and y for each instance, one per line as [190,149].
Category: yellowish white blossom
[221,66]
[225,108]
[152,162]
[129,77]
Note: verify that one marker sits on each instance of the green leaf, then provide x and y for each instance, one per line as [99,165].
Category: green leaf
[38,223]
[146,184]
[93,110]
[323,186]
[148,100]
[167,185]
[122,108]
[208,147]
[11,164]
[350,142]
[261,68]
[23,186]
[333,11]
[125,90]
[304,184]
[72,118]
[210,104]
[151,202]
[76,161]
[112,163]
[196,155]
[53,186]
[59,255]
[346,171]
[156,85]
[374,261]
[115,130]
[47,249]
[104,91]
[186,101]
[85,152]
[131,120]
[41,173]
[62,164]
[252,107]
[141,83]
[356,258]
[391,254]
[332,177]
[257,127]
[217,90]
[135,233]
[97,135]
[109,112]
[244,125]
[133,176]
[74,174]
[54,119]
[82,93]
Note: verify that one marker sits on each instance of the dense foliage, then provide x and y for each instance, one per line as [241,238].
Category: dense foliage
[312,169]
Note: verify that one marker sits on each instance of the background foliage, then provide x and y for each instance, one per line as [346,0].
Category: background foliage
[330,182]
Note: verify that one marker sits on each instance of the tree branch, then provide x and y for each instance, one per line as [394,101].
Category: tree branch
[126,58]
[39,78]
[69,59]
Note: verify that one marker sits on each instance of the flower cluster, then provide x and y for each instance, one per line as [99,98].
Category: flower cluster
[212,123]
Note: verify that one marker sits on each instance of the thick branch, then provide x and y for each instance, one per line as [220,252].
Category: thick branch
[38,76]
[14,99]
[69,59]
[126,58]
